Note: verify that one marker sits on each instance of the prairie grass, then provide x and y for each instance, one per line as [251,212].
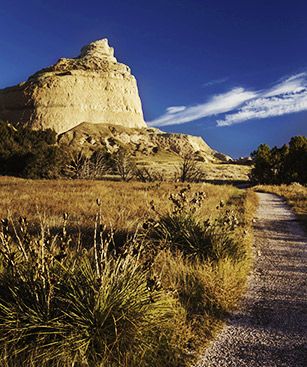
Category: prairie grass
[295,195]
[58,309]
[209,289]
[122,204]
[151,297]
[205,288]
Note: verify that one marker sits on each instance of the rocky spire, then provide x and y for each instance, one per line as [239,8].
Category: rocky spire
[93,88]
[98,49]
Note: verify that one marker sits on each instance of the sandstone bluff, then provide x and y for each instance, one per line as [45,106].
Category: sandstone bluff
[93,87]
[92,101]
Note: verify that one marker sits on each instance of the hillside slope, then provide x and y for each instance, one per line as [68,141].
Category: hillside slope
[146,142]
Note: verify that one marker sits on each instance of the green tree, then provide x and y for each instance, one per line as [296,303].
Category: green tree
[29,153]
[262,171]
[296,161]
[281,165]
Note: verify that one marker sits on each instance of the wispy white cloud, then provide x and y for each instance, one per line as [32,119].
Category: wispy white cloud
[215,82]
[216,105]
[286,97]
[175,109]
[293,84]
[239,105]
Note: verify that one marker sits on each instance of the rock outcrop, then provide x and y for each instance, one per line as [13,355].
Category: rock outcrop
[142,143]
[93,87]
[92,102]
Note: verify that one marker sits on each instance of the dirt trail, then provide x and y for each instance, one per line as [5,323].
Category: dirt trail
[270,329]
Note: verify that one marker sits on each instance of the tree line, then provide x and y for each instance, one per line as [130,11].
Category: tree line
[36,154]
[29,153]
[281,165]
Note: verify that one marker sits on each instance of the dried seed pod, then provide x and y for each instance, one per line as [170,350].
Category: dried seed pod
[5,222]
[98,201]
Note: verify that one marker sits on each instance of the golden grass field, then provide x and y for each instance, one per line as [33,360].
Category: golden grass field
[180,316]
[168,165]
[124,204]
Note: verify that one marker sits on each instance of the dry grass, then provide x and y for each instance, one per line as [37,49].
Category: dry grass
[199,290]
[209,290]
[169,163]
[295,194]
[123,204]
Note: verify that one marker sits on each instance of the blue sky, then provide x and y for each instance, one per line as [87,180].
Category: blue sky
[233,72]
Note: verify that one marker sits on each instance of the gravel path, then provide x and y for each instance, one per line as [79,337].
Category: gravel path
[270,330]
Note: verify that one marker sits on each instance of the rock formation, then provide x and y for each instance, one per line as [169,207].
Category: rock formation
[142,143]
[93,88]
[92,102]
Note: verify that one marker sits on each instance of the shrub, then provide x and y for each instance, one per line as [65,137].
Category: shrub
[189,170]
[78,166]
[123,164]
[100,163]
[30,153]
[181,229]
[145,174]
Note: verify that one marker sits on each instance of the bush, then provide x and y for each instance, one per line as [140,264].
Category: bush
[181,229]
[189,170]
[123,164]
[30,153]
[145,174]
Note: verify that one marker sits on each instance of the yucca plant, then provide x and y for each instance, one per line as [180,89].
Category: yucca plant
[112,317]
[181,229]
[58,310]
[143,303]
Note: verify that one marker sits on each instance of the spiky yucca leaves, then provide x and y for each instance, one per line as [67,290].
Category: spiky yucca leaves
[181,229]
[29,314]
[115,317]
[60,311]
[60,306]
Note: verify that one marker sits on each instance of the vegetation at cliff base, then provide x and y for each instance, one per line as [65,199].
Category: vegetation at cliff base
[29,153]
[42,154]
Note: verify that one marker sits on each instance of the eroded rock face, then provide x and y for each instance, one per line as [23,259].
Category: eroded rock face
[93,87]
[150,142]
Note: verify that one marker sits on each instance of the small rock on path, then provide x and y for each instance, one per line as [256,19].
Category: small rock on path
[270,329]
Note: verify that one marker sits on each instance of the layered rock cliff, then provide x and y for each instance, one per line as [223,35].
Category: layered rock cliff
[93,87]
